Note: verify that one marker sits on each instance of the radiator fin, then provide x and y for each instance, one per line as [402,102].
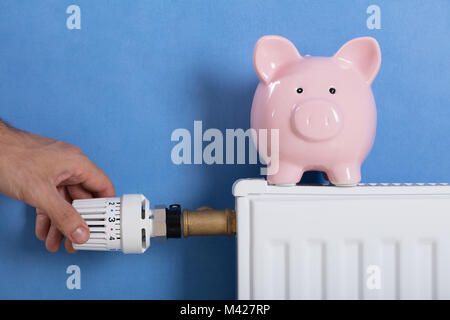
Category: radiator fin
[390,264]
[427,269]
[353,269]
[317,264]
[279,270]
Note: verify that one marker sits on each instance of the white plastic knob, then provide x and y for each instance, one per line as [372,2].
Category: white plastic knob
[123,223]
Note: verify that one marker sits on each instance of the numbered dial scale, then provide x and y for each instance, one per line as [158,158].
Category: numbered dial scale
[123,223]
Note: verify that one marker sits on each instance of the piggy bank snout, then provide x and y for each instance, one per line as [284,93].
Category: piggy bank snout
[317,120]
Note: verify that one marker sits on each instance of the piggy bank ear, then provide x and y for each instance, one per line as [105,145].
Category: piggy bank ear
[272,52]
[364,53]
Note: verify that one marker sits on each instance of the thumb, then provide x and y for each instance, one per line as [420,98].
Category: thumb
[66,218]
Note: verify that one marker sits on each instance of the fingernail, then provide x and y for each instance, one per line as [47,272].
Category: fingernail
[81,235]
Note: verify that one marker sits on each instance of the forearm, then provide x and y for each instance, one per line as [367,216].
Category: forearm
[12,137]
[4,127]
[3,124]
[5,142]
[9,136]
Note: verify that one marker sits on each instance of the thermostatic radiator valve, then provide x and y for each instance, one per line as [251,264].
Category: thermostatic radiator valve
[127,223]
[116,223]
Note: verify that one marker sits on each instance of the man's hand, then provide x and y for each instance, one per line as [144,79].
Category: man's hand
[48,174]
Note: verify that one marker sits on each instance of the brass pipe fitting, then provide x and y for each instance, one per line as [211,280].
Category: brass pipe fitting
[207,221]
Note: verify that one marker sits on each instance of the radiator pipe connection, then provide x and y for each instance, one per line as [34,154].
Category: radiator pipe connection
[207,221]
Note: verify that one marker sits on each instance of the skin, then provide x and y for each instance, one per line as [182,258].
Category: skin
[48,175]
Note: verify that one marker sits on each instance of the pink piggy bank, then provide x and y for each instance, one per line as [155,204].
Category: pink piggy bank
[323,108]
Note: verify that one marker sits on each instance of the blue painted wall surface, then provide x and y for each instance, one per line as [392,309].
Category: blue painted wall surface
[137,70]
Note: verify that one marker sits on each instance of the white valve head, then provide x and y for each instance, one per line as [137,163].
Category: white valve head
[123,223]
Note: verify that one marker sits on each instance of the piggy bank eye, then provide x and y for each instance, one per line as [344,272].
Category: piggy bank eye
[299,90]
[332,90]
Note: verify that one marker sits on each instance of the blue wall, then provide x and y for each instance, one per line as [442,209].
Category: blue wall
[137,70]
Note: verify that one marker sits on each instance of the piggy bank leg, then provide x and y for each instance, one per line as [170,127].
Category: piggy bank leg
[287,174]
[345,175]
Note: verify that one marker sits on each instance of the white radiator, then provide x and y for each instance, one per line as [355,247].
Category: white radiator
[373,241]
